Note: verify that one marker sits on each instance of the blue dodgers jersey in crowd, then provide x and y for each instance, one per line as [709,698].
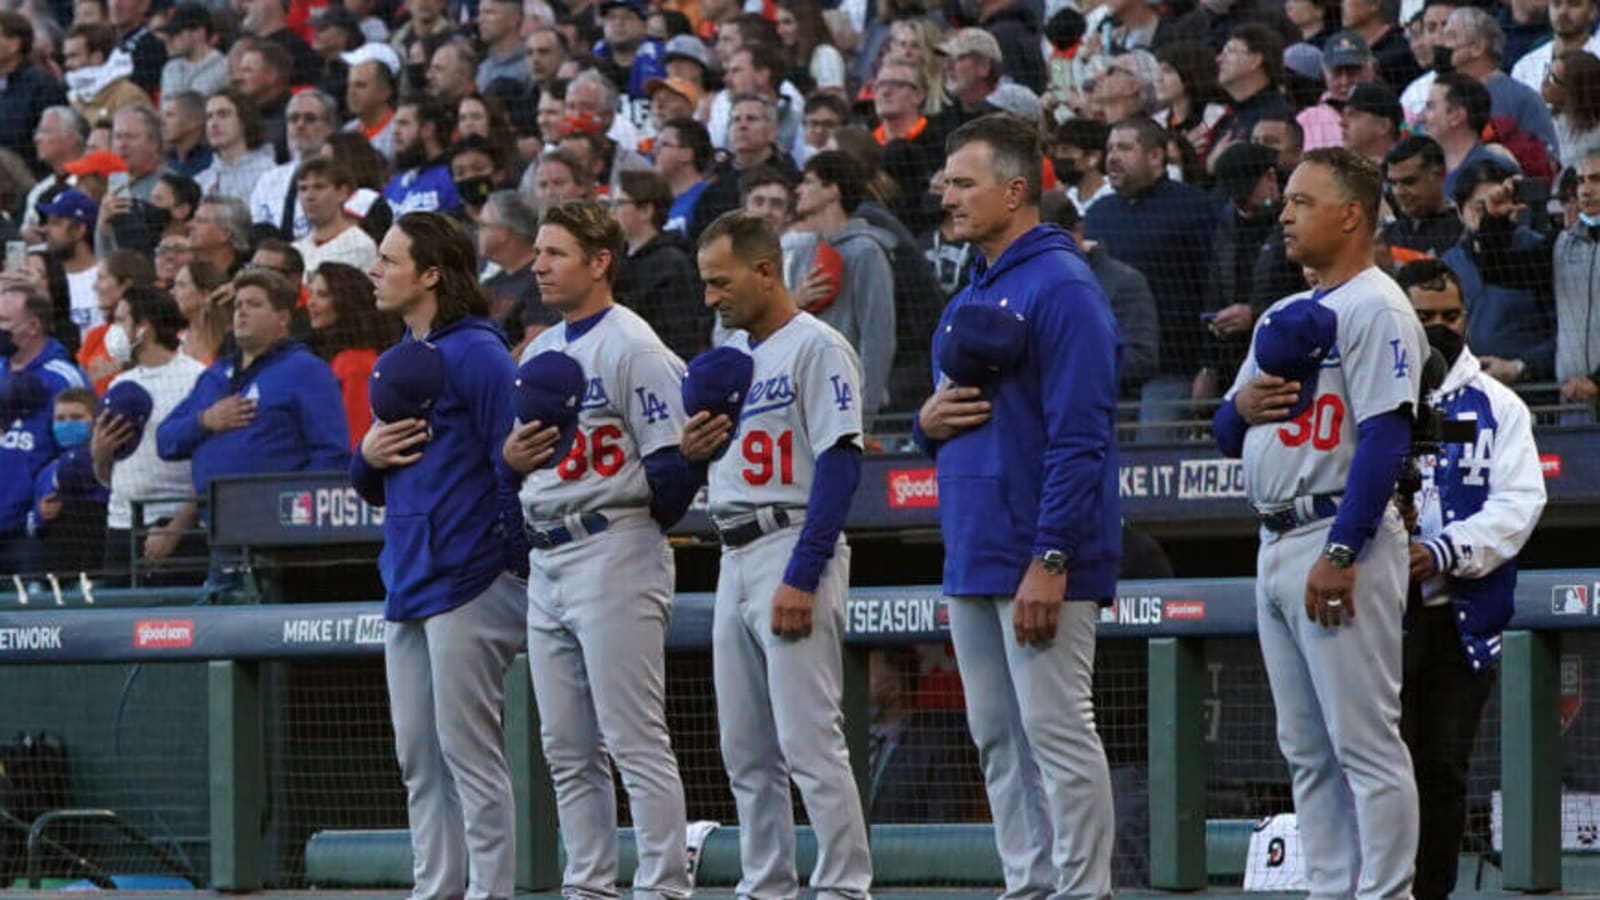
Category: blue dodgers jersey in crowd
[428,189]
[442,545]
[299,424]
[649,61]
[1042,472]
[28,445]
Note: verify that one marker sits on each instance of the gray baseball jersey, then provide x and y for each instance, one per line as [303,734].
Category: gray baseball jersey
[632,407]
[805,396]
[1336,692]
[1375,367]
[778,699]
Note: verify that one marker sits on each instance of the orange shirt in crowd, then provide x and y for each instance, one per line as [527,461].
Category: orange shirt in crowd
[352,368]
[96,362]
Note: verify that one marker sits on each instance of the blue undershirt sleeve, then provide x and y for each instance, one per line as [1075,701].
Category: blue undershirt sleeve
[1229,428]
[674,482]
[833,486]
[1380,449]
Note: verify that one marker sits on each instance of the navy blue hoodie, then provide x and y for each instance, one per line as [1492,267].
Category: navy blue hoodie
[446,535]
[1041,474]
[299,424]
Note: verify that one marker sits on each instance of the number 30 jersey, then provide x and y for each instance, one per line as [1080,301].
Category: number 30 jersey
[804,398]
[632,407]
[1374,368]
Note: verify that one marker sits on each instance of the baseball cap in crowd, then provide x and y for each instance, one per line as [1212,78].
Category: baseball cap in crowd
[96,162]
[1304,60]
[981,344]
[680,86]
[1239,167]
[406,381]
[1016,99]
[549,390]
[1376,99]
[971,41]
[634,6]
[1292,341]
[717,381]
[687,46]
[186,16]
[1347,48]
[373,51]
[72,204]
[134,404]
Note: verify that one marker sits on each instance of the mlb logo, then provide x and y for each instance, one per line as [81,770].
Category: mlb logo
[1569,599]
[294,508]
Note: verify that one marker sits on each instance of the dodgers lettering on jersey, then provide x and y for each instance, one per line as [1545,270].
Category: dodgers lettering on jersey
[632,407]
[804,398]
[1375,368]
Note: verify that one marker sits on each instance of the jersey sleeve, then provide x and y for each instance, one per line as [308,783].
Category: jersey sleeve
[653,406]
[1382,351]
[830,394]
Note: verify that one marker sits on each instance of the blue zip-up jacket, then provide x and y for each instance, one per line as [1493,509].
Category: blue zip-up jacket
[27,408]
[452,521]
[1478,506]
[299,424]
[1041,474]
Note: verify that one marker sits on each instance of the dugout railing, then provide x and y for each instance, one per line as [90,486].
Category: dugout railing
[1174,619]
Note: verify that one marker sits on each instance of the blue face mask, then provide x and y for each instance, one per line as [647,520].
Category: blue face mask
[1588,220]
[71,434]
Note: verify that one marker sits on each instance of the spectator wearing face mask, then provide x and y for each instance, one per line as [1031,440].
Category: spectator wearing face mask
[69,505]
[144,337]
[36,369]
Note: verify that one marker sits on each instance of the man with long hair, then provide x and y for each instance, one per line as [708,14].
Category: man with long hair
[450,534]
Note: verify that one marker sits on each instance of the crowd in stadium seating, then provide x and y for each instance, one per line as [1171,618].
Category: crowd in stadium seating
[153,156]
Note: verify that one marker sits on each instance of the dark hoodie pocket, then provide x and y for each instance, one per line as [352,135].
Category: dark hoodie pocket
[407,541]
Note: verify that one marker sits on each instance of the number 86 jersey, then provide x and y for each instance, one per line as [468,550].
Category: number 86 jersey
[632,407]
[804,398]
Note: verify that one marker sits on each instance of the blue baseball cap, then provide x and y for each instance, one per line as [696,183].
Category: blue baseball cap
[134,404]
[981,344]
[1292,341]
[72,204]
[75,473]
[717,382]
[549,389]
[406,381]
[637,7]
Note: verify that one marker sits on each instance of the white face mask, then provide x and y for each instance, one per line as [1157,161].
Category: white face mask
[1174,171]
[118,346]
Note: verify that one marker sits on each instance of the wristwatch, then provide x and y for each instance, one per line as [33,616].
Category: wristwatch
[1339,556]
[1053,561]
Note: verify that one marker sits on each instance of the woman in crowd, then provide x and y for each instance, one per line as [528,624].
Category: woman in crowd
[120,270]
[486,117]
[815,64]
[1572,89]
[371,172]
[47,273]
[1187,89]
[915,41]
[348,332]
[193,287]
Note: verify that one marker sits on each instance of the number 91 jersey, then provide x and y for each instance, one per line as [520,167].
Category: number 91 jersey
[804,398]
[632,407]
